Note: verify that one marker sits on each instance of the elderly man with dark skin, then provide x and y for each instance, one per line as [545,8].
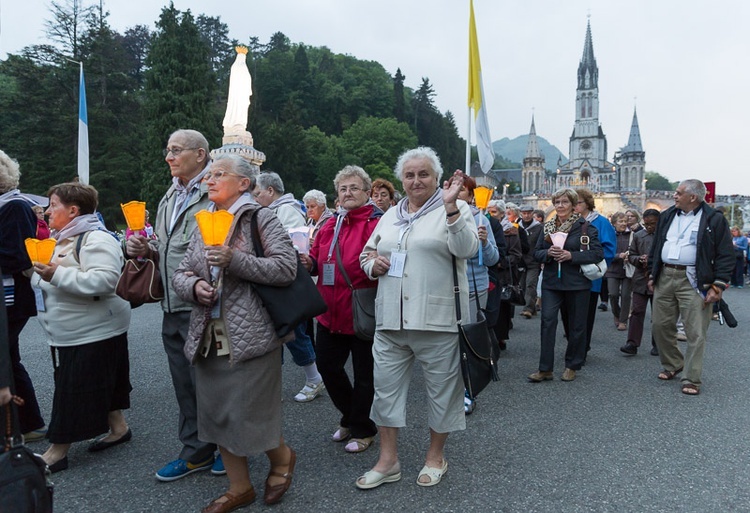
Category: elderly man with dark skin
[690,264]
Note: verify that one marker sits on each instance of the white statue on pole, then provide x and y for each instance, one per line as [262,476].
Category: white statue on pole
[745,216]
[240,90]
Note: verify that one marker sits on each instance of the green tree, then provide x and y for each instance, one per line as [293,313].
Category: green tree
[180,84]
[399,100]
[657,182]
[375,144]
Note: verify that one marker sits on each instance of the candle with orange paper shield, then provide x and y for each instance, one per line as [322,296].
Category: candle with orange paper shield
[482,196]
[135,215]
[40,251]
[214,226]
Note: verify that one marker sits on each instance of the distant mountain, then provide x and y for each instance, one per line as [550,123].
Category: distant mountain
[515,150]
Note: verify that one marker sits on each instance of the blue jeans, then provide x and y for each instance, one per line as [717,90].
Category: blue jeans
[301,347]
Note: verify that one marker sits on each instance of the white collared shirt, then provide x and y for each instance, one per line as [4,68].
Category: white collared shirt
[682,239]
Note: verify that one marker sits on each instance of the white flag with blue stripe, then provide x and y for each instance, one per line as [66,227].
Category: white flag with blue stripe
[83,133]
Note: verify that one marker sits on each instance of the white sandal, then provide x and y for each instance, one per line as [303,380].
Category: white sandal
[435,474]
[342,434]
[373,478]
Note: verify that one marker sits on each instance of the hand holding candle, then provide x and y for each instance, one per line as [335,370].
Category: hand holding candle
[482,196]
[135,215]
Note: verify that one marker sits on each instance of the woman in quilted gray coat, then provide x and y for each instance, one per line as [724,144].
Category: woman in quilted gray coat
[232,342]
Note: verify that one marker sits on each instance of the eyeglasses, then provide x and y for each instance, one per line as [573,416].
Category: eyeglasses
[352,188]
[175,151]
[217,175]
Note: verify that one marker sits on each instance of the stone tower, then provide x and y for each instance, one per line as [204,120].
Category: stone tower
[533,171]
[633,160]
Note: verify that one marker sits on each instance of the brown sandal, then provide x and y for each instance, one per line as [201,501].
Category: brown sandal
[666,375]
[690,389]
[273,494]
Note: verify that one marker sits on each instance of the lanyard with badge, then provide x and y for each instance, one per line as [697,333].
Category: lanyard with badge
[329,267]
[674,251]
[398,255]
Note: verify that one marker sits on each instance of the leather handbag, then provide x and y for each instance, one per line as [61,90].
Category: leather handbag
[288,305]
[140,282]
[25,485]
[591,271]
[363,305]
[629,268]
[511,292]
[477,352]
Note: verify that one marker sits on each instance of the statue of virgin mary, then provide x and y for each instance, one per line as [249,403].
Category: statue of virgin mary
[240,90]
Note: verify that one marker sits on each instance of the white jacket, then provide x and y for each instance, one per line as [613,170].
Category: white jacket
[423,299]
[80,302]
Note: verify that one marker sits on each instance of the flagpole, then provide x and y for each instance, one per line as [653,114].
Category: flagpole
[468,142]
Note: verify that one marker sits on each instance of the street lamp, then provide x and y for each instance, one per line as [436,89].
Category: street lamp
[505,191]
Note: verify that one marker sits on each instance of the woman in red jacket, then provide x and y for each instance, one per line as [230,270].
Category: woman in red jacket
[337,245]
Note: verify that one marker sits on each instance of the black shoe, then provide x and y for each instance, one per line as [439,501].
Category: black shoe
[603,307]
[654,351]
[101,445]
[59,465]
[629,349]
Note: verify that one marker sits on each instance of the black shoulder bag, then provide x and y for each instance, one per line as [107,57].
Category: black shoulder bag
[363,305]
[478,356]
[24,479]
[512,293]
[288,305]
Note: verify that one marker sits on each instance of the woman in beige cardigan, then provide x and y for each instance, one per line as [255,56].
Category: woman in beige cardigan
[411,255]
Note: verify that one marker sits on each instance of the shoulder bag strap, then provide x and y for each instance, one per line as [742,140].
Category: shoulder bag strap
[341,266]
[476,292]
[585,236]
[255,234]
[456,292]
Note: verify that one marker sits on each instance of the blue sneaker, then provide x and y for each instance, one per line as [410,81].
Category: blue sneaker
[177,469]
[218,467]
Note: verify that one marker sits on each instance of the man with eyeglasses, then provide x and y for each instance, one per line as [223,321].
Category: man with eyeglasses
[269,192]
[187,154]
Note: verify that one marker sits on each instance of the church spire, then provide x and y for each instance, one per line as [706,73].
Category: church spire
[532,147]
[634,141]
[588,72]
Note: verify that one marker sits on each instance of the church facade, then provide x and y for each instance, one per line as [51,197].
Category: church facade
[588,165]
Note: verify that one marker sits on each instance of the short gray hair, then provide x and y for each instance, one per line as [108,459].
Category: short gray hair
[350,171]
[422,152]
[514,208]
[241,166]
[10,173]
[568,193]
[696,187]
[499,204]
[316,196]
[194,138]
[271,179]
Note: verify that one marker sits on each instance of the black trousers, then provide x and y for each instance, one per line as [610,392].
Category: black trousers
[29,415]
[352,400]
[576,311]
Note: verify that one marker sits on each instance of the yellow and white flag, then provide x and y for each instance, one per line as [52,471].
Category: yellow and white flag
[477,99]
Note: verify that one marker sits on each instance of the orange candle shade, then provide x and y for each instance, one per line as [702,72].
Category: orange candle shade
[214,226]
[482,196]
[40,251]
[135,214]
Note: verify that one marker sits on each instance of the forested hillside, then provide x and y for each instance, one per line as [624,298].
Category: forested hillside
[312,111]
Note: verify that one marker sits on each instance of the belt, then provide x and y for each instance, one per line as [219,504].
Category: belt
[676,266]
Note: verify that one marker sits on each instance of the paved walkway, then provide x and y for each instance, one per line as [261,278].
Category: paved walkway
[615,439]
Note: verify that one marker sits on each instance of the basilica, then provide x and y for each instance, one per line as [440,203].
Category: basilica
[588,165]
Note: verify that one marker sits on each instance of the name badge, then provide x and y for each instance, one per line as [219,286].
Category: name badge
[39,299]
[694,237]
[328,273]
[398,260]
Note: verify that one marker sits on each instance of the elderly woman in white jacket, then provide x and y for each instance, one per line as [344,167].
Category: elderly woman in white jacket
[86,325]
[411,254]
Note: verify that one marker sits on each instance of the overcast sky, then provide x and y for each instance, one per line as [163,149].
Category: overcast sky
[683,63]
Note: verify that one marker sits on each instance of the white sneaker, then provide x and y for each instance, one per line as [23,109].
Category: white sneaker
[309,392]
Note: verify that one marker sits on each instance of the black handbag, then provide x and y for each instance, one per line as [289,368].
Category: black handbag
[512,293]
[363,305]
[25,486]
[288,305]
[477,352]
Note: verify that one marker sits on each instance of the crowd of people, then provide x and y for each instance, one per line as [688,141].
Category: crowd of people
[225,356]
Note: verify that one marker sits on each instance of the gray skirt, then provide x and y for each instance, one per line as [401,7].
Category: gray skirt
[239,406]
